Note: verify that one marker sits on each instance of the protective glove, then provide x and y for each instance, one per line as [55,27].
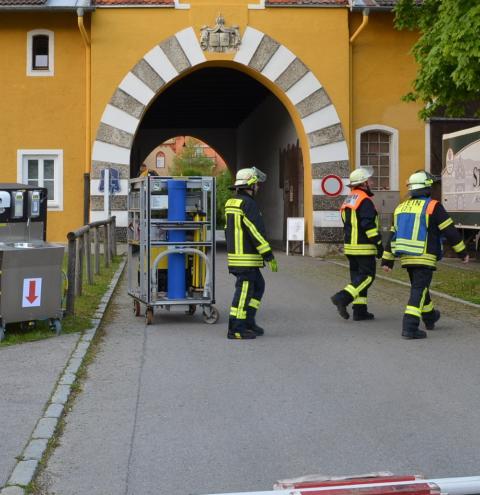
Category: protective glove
[379,251]
[273,265]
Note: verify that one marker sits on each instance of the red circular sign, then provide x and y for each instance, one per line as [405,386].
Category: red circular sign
[332,185]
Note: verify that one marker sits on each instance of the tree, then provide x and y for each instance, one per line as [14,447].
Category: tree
[447,52]
[191,162]
[224,182]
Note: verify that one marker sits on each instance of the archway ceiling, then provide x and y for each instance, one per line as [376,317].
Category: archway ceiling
[213,97]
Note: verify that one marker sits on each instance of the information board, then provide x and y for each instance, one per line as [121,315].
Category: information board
[296,231]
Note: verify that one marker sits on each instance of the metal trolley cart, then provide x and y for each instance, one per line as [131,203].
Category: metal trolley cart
[171,244]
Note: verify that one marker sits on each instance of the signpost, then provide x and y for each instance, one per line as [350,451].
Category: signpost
[296,231]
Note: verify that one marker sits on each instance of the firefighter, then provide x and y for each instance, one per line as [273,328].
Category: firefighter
[362,243]
[144,171]
[419,223]
[247,252]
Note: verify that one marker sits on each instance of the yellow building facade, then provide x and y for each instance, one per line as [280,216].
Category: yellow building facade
[254,81]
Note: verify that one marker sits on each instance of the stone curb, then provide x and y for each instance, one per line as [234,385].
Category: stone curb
[406,284]
[25,469]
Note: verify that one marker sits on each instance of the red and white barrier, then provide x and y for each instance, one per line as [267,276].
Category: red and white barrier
[381,485]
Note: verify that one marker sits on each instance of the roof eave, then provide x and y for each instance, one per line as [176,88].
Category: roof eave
[23,8]
[135,6]
[306,5]
[360,8]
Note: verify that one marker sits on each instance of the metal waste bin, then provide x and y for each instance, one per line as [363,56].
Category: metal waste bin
[30,267]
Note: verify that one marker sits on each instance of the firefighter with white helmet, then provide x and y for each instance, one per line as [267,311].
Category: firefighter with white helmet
[362,243]
[247,251]
[419,224]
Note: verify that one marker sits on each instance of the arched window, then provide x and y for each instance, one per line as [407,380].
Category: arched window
[377,147]
[160,159]
[40,53]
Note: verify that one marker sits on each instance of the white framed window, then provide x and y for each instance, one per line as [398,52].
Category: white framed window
[160,160]
[40,52]
[43,168]
[376,146]
[198,150]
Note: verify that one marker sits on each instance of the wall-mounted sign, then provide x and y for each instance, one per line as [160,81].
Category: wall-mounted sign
[32,292]
[113,180]
[327,218]
[332,185]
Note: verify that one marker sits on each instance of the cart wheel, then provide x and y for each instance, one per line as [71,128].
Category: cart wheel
[2,333]
[136,308]
[56,326]
[149,316]
[191,309]
[210,314]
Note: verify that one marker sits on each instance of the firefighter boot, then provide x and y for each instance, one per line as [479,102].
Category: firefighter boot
[245,335]
[430,319]
[410,328]
[253,327]
[341,300]
[360,313]
[238,332]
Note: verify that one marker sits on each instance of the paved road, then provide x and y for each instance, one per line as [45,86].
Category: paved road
[176,408]
[28,373]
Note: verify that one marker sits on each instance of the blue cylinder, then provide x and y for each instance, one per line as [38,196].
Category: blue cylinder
[177,193]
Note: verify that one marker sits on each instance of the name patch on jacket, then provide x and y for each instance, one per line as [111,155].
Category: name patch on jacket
[351,200]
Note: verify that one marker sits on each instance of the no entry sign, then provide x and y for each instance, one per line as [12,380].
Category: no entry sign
[332,185]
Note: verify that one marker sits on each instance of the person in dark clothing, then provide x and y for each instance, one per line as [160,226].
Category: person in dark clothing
[419,224]
[247,252]
[362,243]
[144,171]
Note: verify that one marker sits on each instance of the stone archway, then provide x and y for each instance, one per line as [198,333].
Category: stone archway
[328,152]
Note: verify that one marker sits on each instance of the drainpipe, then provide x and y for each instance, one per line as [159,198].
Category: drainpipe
[88,113]
[360,28]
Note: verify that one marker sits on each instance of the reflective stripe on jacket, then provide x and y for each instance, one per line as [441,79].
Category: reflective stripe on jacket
[419,224]
[247,246]
[361,226]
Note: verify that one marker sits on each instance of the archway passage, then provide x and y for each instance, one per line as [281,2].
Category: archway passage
[209,104]
[316,120]
[237,116]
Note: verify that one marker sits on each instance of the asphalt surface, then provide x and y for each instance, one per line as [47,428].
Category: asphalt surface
[176,408]
[28,373]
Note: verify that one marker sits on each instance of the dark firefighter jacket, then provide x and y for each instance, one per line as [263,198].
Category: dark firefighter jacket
[360,219]
[438,225]
[247,246]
